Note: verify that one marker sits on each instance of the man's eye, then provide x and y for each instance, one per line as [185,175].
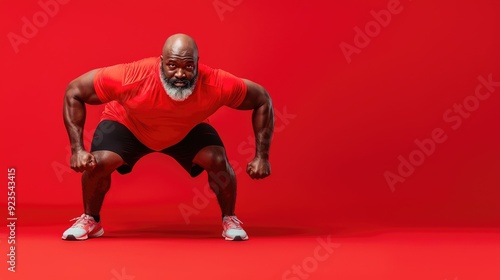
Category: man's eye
[171,65]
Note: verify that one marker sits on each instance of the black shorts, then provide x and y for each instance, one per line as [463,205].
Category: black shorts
[114,136]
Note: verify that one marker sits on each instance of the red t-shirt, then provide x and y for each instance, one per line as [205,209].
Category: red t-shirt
[136,98]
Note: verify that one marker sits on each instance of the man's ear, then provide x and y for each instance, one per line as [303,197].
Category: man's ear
[161,56]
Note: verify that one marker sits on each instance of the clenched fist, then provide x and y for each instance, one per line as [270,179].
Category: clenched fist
[82,160]
[259,168]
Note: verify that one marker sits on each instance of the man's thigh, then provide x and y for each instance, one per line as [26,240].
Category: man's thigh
[115,137]
[201,136]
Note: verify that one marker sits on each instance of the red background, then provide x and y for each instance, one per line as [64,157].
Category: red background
[347,123]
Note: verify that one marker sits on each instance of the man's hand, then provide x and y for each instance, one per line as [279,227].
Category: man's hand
[82,160]
[259,168]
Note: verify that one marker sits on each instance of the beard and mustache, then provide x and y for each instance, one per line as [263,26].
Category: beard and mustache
[178,93]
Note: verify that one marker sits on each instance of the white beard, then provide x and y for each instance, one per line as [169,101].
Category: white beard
[176,93]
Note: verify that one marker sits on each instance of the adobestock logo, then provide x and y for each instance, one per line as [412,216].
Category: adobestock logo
[372,29]
[310,264]
[223,6]
[122,275]
[454,117]
[31,26]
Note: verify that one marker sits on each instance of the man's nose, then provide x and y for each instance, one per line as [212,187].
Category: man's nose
[179,74]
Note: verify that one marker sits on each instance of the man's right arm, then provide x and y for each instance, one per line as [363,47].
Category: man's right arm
[79,92]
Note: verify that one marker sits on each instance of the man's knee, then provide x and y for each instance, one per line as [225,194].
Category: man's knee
[212,158]
[106,162]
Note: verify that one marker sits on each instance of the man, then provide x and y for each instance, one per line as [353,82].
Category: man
[161,105]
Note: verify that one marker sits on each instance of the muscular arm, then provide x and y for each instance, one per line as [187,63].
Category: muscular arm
[78,93]
[258,100]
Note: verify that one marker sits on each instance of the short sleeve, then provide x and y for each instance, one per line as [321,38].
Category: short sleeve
[108,82]
[233,90]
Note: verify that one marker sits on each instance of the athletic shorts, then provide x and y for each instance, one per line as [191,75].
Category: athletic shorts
[114,136]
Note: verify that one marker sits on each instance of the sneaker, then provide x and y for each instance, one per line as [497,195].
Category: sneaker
[232,229]
[84,227]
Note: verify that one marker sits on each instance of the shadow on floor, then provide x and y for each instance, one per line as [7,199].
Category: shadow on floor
[213,231]
[205,231]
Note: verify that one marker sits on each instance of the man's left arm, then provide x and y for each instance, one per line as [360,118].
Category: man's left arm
[257,99]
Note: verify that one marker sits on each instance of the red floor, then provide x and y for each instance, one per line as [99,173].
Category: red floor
[156,249]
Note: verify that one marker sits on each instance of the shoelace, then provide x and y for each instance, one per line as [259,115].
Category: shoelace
[80,221]
[233,222]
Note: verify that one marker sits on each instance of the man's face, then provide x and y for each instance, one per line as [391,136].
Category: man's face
[179,74]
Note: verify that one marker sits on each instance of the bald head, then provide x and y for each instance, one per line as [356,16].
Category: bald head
[180,45]
[179,66]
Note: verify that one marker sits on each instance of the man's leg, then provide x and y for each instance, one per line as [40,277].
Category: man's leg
[202,149]
[222,181]
[221,176]
[96,183]
[114,148]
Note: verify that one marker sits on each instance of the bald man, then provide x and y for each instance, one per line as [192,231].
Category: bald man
[161,104]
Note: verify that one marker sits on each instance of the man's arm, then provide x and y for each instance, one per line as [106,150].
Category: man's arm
[258,100]
[79,92]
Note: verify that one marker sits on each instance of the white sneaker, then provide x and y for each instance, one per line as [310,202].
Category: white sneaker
[232,229]
[84,227]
